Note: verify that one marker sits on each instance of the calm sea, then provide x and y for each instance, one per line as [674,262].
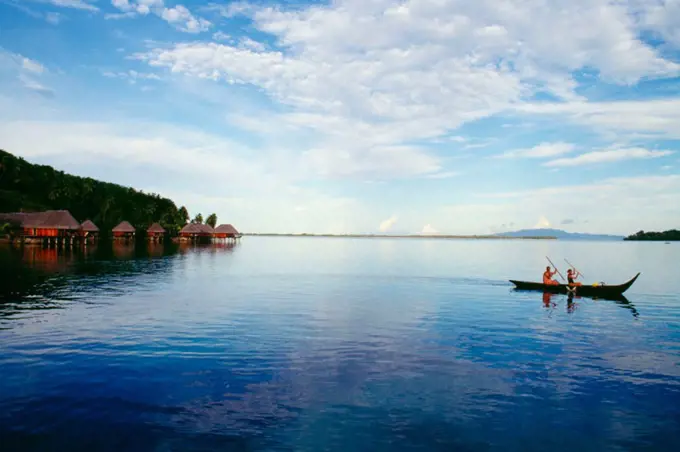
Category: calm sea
[328,344]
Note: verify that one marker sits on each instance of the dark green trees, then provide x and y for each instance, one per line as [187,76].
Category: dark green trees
[28,187]
[672,234]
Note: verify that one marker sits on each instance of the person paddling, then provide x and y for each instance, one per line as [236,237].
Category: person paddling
[547,276]
[571,276]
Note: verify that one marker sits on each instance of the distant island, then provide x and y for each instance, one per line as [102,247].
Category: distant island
[400,236]
[558,234]
[665,236]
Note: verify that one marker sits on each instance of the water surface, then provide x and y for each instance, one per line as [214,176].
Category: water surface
[337,344]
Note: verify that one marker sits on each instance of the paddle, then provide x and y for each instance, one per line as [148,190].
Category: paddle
[558,272]
[570,264]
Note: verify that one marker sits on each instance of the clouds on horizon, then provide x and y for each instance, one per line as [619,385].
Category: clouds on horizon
[404,109]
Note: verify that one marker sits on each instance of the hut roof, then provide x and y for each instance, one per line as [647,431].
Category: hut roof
[195,228]
[226,229]
[89,226]
[50,219]
[124,226]
[156,228]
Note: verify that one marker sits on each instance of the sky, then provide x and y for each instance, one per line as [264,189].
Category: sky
[358,116]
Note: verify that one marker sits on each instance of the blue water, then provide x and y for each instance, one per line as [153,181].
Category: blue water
[313,344]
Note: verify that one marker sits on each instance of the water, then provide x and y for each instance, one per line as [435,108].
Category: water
[313,344]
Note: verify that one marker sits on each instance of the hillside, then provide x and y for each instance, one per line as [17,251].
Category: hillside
[559,234]
[29,187]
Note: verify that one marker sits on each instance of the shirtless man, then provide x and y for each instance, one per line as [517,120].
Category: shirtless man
[547,276]
[571,276]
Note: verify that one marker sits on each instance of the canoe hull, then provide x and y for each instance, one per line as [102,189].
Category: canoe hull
[601,291]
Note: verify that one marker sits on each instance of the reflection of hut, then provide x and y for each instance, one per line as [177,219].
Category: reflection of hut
[226,232]
[194,232]
[89,231]
[123,250]
[52,226]
[124,231]
[155,232]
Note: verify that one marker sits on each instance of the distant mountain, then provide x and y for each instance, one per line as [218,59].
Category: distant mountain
[560,234]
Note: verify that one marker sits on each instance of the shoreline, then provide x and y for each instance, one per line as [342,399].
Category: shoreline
[385,236]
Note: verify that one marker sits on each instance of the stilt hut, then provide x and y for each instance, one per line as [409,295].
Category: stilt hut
[225,232]
[155,233]
[124,231]
[89,231]
[51,227]
[198,233]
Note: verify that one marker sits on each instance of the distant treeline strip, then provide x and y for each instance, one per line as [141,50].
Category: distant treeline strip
[31,188]
[667,236]
[415,236]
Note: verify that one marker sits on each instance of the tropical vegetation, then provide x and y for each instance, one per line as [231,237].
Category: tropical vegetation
[671,234]
[27,187]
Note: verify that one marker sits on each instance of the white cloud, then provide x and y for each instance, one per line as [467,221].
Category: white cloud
[443,175]
[540,151]
[429,230]
[543,223]
[32,66]
[620,205]
[54,18]
[131,75]
[178,16]
[117,16]
[653,118]
[221,36]
[388,224]
[25,70]
[608,156]
[662,18]
[183,20]
[74,4]
[339,162]
[34,85]
[366,75]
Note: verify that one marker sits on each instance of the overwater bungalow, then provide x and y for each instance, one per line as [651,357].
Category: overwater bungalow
[124,231]
[226,232]
[155,232]
[89,231]
[195,232]
[49,227]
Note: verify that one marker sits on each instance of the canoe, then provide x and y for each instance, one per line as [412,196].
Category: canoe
[594,290]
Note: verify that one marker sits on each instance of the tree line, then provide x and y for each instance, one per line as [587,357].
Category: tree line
[670,235]
[28,187]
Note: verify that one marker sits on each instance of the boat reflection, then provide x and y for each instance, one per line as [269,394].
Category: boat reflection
[622,301]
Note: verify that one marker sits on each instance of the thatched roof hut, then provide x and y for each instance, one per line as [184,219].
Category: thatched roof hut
[89,226]
[124,229]
[50,219]
[197,229]
[226,230]
[155,229]
[124,226]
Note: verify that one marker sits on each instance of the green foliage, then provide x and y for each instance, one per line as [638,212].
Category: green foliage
[672,234]
[184,215]
[198,219]
[212,220]
[28,187]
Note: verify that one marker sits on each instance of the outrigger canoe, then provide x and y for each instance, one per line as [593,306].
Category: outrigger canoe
[594,290]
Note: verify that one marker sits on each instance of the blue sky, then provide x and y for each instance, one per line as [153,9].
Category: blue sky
[443,116]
